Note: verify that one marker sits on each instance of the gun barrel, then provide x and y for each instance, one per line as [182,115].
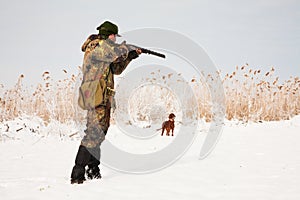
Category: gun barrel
[133,47]
[153,53]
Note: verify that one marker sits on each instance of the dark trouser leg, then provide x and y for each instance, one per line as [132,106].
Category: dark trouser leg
[95,157]
[93,170]
[82,159]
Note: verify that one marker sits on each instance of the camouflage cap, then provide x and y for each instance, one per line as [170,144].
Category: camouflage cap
[107,28]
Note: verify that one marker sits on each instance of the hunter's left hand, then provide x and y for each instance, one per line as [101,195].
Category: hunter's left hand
[139,51]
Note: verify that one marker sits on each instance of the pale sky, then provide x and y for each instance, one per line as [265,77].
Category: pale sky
[40,35]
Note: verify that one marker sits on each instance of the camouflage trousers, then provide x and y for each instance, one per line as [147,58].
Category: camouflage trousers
[97,126]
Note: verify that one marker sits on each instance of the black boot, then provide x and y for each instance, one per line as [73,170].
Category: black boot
[77,175]
[82,159]
[93,171]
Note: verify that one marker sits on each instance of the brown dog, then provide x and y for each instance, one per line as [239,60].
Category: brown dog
[168,125]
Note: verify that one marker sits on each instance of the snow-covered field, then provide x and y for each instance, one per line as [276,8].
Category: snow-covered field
[250,161]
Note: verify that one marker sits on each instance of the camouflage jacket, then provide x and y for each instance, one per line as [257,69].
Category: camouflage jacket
[103,59]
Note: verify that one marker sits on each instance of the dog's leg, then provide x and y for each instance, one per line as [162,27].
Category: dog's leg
[162,132]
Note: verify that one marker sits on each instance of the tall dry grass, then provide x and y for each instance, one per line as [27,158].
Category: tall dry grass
[49,100]
[260,96]
[253,95]
[250,95]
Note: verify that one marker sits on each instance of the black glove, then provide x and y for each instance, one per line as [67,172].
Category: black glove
[133,54]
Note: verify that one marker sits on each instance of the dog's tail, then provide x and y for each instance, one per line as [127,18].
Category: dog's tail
[158,129]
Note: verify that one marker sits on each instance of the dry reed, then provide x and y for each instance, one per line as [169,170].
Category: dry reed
[250,96]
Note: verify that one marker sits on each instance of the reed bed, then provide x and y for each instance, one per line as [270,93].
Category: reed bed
[250,95]
[260,96]
[49,100]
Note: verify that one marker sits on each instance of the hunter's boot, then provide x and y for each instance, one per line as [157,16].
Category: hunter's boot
[93,171]
[82,159]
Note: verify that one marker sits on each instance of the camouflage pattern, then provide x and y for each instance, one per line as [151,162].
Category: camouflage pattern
[97,126]
[90,44]
[102,59]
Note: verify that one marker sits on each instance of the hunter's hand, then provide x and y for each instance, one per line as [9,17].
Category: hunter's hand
[139,51]
[134,54]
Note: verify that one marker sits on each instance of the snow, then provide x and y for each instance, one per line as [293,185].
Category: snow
[250,161]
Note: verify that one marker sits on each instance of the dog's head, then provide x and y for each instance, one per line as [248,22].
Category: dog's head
[172,116]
